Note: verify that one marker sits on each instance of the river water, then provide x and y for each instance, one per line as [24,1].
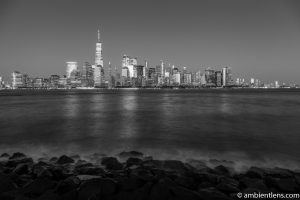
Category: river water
[249,126]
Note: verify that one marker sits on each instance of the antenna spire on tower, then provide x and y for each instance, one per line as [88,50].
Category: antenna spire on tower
[98,35]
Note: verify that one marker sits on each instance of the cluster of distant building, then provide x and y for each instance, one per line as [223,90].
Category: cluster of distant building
[131,74]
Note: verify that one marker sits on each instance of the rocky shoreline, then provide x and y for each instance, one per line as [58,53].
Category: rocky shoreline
[134,176]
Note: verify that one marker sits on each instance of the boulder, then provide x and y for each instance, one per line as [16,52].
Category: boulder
[143,174]
[20,160]
[132,154]
[89,170]
[6,183]
[4,155]
[53,159]
[67,185]
[17,155]
[174,165]
[22,168]
[130,183]
[111,163]
[226,163]
[64,160]
[288,185]
[279,173]
[133,161]
[37,187]
[183,193]
[49,195]
[96,188]
[212,194]
[254,183]
[255,172]
[222,170]
[197,164]
[228,185]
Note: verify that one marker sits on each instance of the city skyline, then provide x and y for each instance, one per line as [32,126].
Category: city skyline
[44,50]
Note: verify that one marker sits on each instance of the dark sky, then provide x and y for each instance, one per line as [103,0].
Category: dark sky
[256,38]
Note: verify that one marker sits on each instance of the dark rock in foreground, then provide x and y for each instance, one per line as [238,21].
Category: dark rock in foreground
[137,177]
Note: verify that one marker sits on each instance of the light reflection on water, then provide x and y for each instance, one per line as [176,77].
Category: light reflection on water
[255,126]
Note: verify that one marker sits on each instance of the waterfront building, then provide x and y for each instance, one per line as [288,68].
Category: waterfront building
[98,68]
[71,67]
[210,77]
[17,80]
[203,79]
[277,84]
[130,63]
[187,78]
[177,78]
[198,77]
[87,75]
[218,76]
[227,76]
[38,82]
[1,82]
[54,80]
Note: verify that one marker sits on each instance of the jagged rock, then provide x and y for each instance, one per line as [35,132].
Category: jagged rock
[38,187]
[278,173]
[205,184]
[212,194]
[160,191]
[131,183]
[283,184]
[255,172]
[197,164]
[187,182]
[67,185]
[64,160]
[96,188]
[20,160]
[89,170]
[40,169]
[75,157]
[21,169]
[228,185]
[59,172]
[17,155]
[174,165]
[206,177]
[111,163]
[133,161]
[153,163]
[71,195]
[6,183]
[49,195]
[143,174]
[147,158]
[130,154]
[138,194]
[82,162]
[254,183]
[226,163]
[4,155]
[53,159]
[87,177]
[222,170]
[183,193]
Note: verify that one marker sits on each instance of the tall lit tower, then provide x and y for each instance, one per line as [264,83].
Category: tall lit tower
[99,57]
[162,69]
[98,63]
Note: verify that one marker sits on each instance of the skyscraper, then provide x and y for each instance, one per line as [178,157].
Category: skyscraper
[71,68]
[130,63]
[98,63]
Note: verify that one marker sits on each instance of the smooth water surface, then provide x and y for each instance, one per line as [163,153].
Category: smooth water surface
[247,125]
